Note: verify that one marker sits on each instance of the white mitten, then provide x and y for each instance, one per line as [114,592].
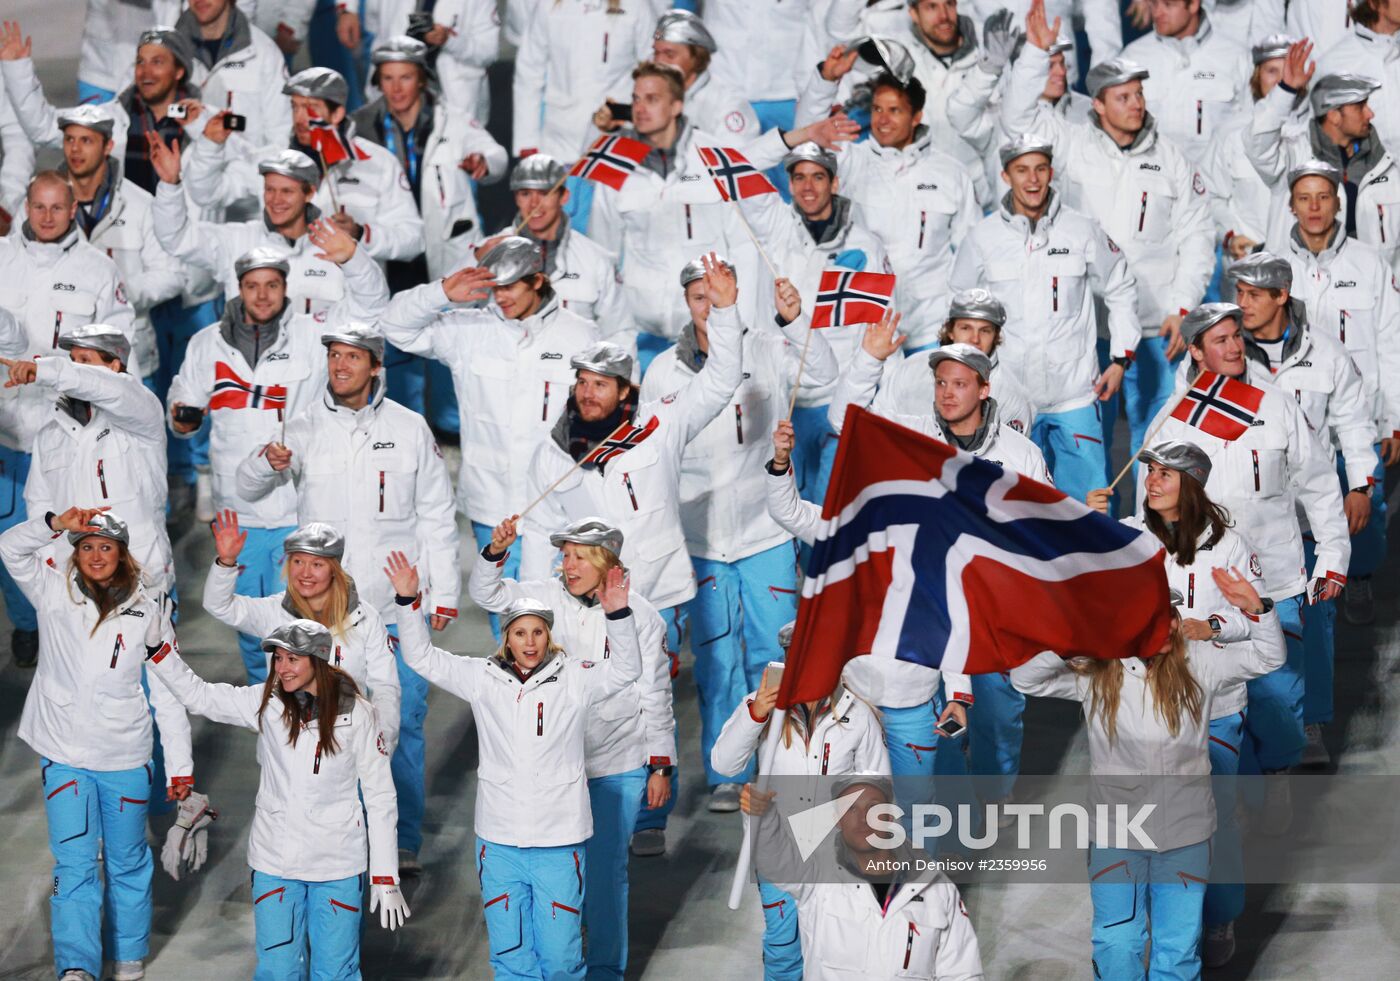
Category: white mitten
[187,841]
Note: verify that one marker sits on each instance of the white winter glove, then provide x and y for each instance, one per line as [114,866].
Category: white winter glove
[393,908]
[158,627]
[1000,38]
[187,841]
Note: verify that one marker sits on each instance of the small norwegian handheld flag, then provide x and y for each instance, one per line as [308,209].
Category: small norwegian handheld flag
[327,140]
[1223,407]
[232,392]
[735,177]
[846,297]
[611,160]
[619,441]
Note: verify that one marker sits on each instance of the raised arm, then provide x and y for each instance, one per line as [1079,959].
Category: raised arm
[1048,676]
[122,396]
[624,666]
[459,675]
[487,587]
[36,117]
[181,235]
[436,527]
[705,395]
[1264,143]
[235,705]
[799,518]
[416,320]
[257,616]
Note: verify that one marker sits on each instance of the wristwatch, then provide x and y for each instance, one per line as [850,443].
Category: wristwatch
[665,770]
[1214,622]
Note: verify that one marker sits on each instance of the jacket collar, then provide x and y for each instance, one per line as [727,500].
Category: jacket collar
[1334,247]
[1366,155]
[1022,224]
[233,321]
[917,147]
[48,253]
[545,673]
[661,162]
[986,431]
[839,226]
[352,603]
[1144,140]
[238,36]
[688,350]
[550,249]
[363,415]
[313,213]
[1295,339]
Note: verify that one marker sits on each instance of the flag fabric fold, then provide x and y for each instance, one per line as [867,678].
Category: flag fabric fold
[930,555]
[733,175]
[1223,407]
[619,441]
[845,297]
[328,141]
[611,160]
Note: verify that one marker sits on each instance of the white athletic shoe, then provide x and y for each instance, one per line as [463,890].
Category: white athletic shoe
[128,971]
[1218,946]
[724,799]
[1315,755]
[73,974]
[203,496]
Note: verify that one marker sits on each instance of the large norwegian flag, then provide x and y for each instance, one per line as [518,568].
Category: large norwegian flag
[232,392]
[1224,407]
[611,160]
[619,441]
[845,297]
[930,555]
[735,177]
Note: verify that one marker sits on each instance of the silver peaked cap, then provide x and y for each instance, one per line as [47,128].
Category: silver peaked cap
[683,27]
[400,47]
[604,358]
[364,336]
[810,153]
[695,269]
[1179,454]
[1271,47]
[537,172]
[1206,316]
[1024,144]
[1334,91]
[316,538]
[883,54]
[1315,168]
[1264,270]
[512,259]
[262,257]
[977,304]
[785,634]
[326,84]
[964,354]
[1115,71]
[305,637]
[92,117]
[526,607]
[98,337]
[108,525]
[291,163]
[590,531]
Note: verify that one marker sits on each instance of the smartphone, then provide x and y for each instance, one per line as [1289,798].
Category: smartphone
[176,110]
[951,728]
[188,415]
[621,111]
[235,123]
[774,673]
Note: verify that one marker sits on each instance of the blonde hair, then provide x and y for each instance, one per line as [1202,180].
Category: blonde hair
[825,706]
[504,655]
[336,614]
[602,559]
[1175,690]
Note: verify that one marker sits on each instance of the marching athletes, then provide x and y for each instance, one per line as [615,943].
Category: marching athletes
[324,795]
[635,724]
[89,719]
[533,819]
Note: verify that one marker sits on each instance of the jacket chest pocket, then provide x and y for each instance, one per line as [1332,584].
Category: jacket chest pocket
[1311,388]
[115,239]
[394,484]
[1064,285]
[634,480]
[1261,467]
[491,377]
[71,309]
[316,289]
[1383,203]
[912,945]
[1151,203]
[1353,322]
[1208,104]
[931,220]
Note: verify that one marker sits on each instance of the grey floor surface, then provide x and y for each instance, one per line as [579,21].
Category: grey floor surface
[680,925]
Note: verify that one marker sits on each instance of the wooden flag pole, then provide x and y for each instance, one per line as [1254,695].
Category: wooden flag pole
[756,244]
[801,364]
[568,473]
[330,181]
[1147,440]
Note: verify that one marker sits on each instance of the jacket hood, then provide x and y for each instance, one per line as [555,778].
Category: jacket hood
[352,602]
[1294,340]
[237,36]
[985,434]
[1143,140]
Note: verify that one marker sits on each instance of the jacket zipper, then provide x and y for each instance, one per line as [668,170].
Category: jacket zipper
[1191,591]
[544,409]
[605,47]
[1142,214]
[739,422]
[57,326]
[627,479]
[909,944]
[923,221]
[1255,454]
[1380,215]
[316,767]
[116,649]
[381,492]
[1055,294]
[539,718]
[102,478]
[689,234]
[826,756]
[442,190]
[1342,325]
[1200,109]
